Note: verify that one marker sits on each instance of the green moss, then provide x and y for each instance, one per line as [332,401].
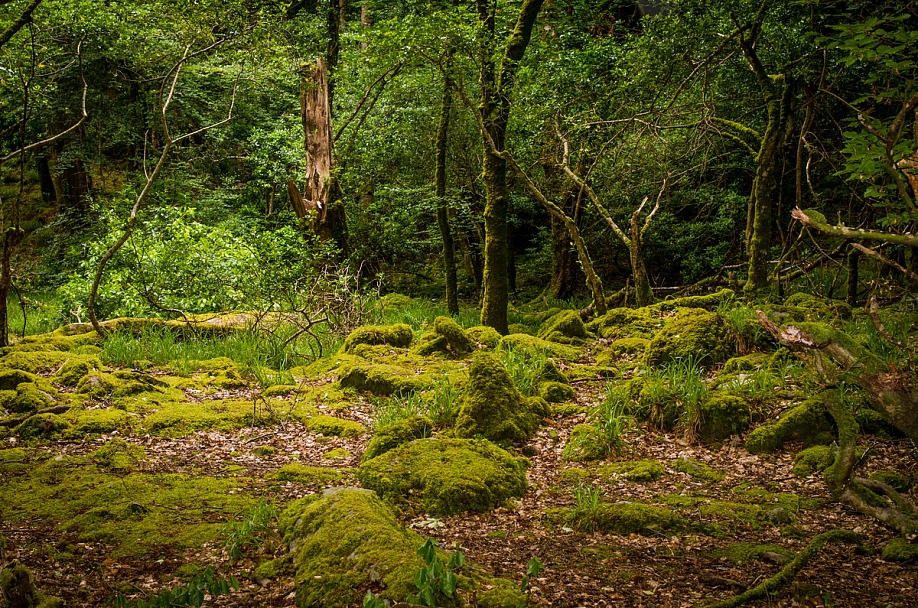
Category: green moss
[745,553]
[18,588]
[746,363]
[629,346]
[73,370]
[549,372]
[336,454]
[556,392]
[565,327]
[397,433]
[398,335]
[394,302]
[894,479]
[29,398]
[96,421]
[708,301]
[722,416]
[302,473]
[627,518]
[445,475]
[817,307]
[263,451]
[633,470]
[490,405]
[502,594]
[121,383]
[42,426]
[453,340]
[274,568]
[179,419]
[698,470]
[698,335]
[344,542]
[900,550]
[538,346]
[564,410]
[279,390]
[484,336]
[801,423]
[626,323]
[813,460]
[380,379]
[11,378]
[519,328]
[35,362]
[585,443]
[335,427]
[118,455]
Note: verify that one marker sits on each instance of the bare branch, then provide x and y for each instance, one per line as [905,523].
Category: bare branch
[809,219]
[873,253]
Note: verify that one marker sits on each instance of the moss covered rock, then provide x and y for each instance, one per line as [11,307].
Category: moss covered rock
[815,307]
[73,370]
[399,432]
[490,405]
[708,301]
[556,392]
[398,335]
[485,337]
[900,550]
[746,363]
[445,476]
[121,383]
[585,443]
[698,470]
[96,421]
[380,379]
[633,470]
[29,398]
[699,335]
[118,455]
[722,416]
[35,362]
[538,346]
[627,323]
[627,518]
[806,422]
[813,460]
[335,427]
[566,327]
[42,426]
[628,346]
[18,589]
[11,378]
[899,482]
[344,542]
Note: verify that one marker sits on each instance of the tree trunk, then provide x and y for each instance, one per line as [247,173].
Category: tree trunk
[320,196]
[853,259]
[566,276]
[642,291]
[45,179]
[449,249]
[495,110]
[11,238]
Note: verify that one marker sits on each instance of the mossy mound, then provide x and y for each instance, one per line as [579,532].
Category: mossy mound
[18,588]
[399,432]
[96,421]
[36,361]
[586,443]
[345,541]
[894,479]
[807,422]
[176,419]
[900,550]
[490,405]
[73,370]
[118,455]
[628,346]
[722,416]
[393,302]
[815,459]
[708,301]
[538,346]
[746,363]
[302,473]
[697,335]
[816,308]
[398,335]
[549,372]
[335,427]
[30,398]
[42,426]
[485,337]
[698,470]
[556,392]
[627,518]
[633,470]
[566,327]
[11,378]
[745,553]
[626,323]
[447,336]
[121,383]
[445,476]
[380,379]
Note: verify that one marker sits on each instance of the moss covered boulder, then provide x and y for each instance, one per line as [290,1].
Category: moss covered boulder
[633,470]
[398,335]
[490,405]
[813,460]
[380,379]
[485,337]
[18,588]
[900,550]
[695,334]
[722,416]
[30,398]
[708,301]
[626,323]
[808,422]
[556,392]
[448,337]
[344,542]
[301,473]
[626,518]
[399,432]
[445,476]
[335,427]
[42,426]
[73,370]
[566,327]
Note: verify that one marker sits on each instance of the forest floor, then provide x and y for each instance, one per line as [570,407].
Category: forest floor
[70,558]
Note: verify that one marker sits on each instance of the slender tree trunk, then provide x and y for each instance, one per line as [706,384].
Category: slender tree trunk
[449,249]
[45,179]
[11,238]
[495,90]
[853,259]
[642,291]
[566,276]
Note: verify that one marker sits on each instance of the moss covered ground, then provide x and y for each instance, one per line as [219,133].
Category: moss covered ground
[125,479]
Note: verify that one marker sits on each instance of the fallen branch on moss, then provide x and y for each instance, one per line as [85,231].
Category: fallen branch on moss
[787,574]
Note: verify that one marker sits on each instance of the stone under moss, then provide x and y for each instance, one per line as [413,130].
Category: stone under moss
[42,426]
[447,336]
[345,541]
[633,470]
[399,432]
[626,323]
[73,370]
[398,335]
[29,398]
[900,550]
[899,482]
[708,301]
[804,422]
[746,363]
[335,427]
[380,379]
[627,518]
[445,476]
[566,327]
[490,405]
[485,337]
[813,460]
[556,392]
[722,416]
[538,346]
[745,553]
[697,335]
[35,362]
[96,421]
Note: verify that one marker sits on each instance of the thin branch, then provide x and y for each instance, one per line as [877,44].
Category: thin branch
[909,240]
[873,253]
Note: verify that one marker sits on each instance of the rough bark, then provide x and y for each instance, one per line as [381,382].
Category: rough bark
[11,239]
[20,22]
[566,276]
[495,88]
[449,249]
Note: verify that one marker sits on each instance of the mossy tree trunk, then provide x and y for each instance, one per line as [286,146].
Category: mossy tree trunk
[496,85]
[566,276]
[642,291]
[11,239]
[449,249]
[777,96]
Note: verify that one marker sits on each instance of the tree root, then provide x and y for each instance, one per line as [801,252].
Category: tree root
[786,576]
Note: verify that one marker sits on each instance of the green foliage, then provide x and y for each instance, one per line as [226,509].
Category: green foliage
[250,529]
[193,594]
[436,582]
